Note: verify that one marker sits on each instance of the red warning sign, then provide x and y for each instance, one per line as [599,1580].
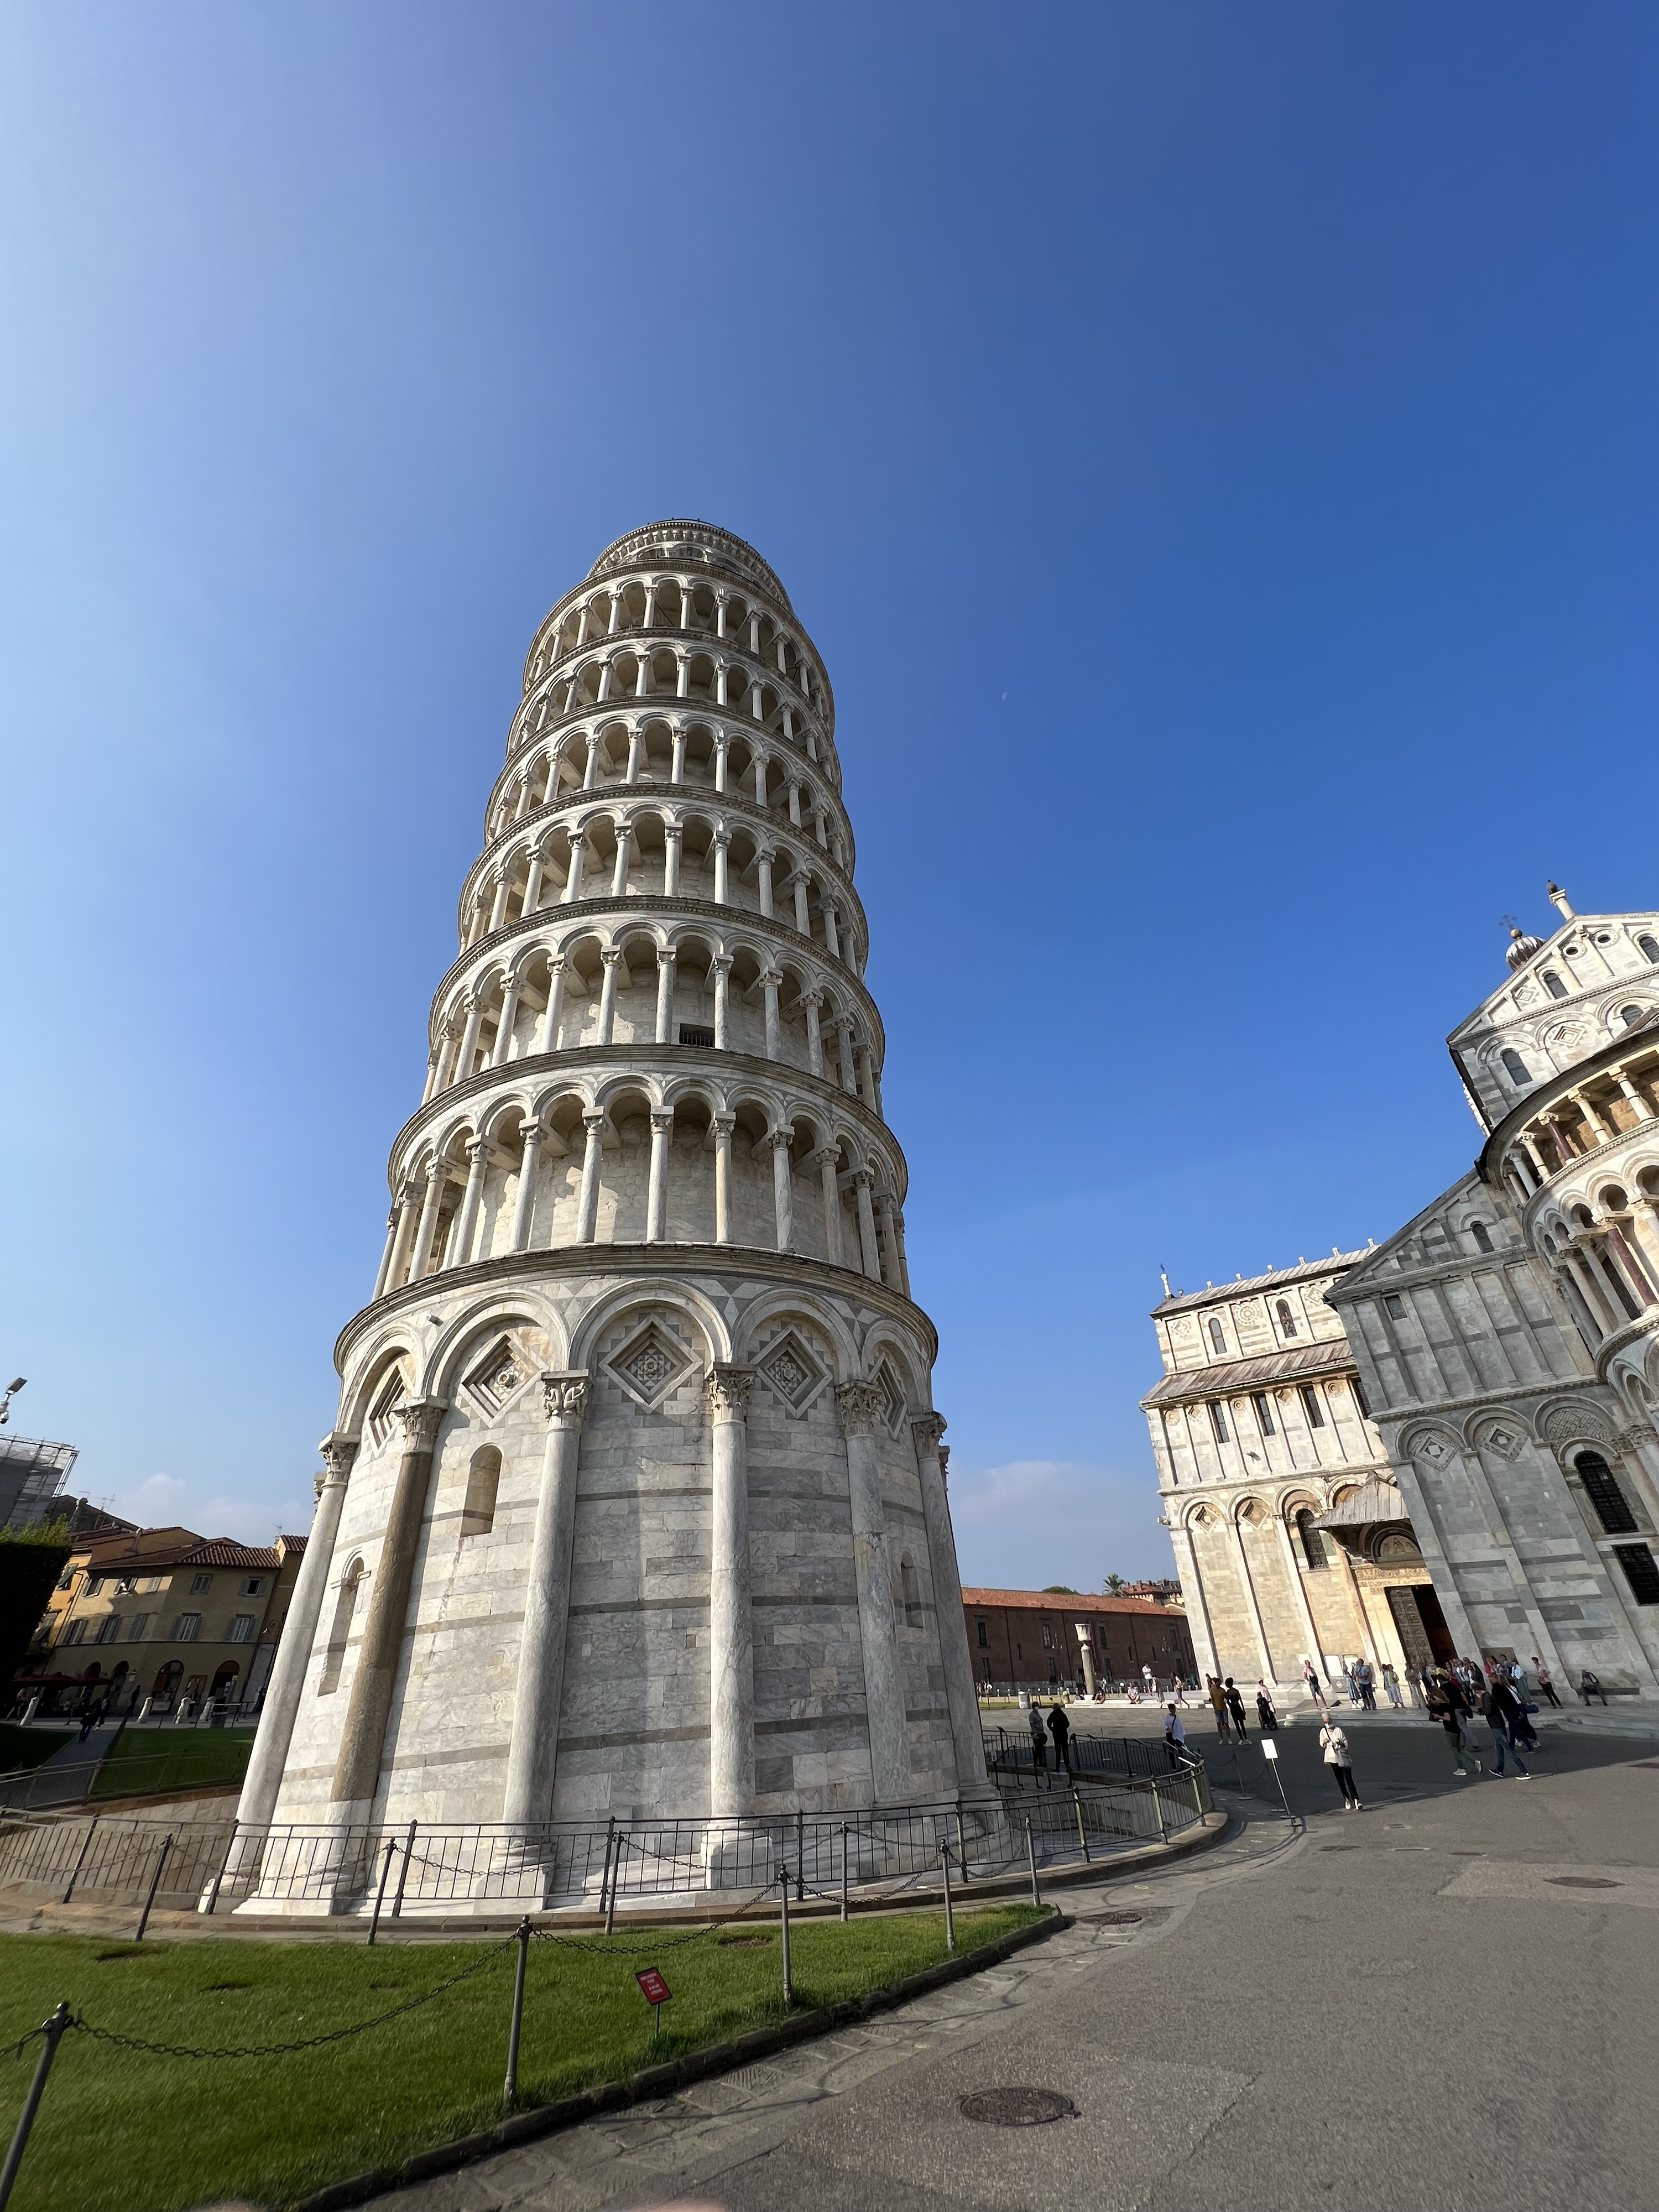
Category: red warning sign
[652,1986]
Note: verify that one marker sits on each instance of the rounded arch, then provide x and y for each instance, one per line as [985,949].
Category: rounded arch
[367,1389]
[497,1312]
[682,1298]
[887,1342]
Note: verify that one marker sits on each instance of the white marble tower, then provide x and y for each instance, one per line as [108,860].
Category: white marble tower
[636,1503]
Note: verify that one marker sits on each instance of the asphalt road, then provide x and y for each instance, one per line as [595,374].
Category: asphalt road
[1420,2005]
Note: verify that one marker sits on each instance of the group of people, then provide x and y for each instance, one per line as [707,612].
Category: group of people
[1227,1701]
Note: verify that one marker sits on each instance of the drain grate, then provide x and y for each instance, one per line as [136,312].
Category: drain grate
[1110,1919]
[1582,1881]
[1017,2108]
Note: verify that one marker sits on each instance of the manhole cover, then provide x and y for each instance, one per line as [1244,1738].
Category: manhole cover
[1017,2108]
[1110,1919]
[1582,1881]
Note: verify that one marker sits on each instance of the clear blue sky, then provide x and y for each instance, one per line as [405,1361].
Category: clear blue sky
[1213,447]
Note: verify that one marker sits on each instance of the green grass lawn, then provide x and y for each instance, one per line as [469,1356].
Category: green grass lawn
[173,1759]
[28,1747]
[124,2131]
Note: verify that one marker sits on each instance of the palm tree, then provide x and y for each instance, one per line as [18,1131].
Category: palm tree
[1113,1584]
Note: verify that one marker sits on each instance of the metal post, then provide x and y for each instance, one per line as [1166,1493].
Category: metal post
[604,1879]
[380,1894]
[950,1917]
[843,1874]
[615,1869]
[800,1856]
[155,1883]
[510,2091]
[52,2029]
[1082,1833]
[962,1840]
[1031,1861]
[86,1845]
[1158,1807]
[213,1893]
[403,1871]
[788,1990]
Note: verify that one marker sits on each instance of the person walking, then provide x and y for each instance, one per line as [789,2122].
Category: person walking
[1175,1739]
[1236,1709]
[1061,1728]
[1589,1685]
[1333,1749]
[1414,1687]
[1266,1719]
[1219,1699]
[1391,1684]
[1540,1675]
[1501,1711]
[1442,1708]
[1039,1741]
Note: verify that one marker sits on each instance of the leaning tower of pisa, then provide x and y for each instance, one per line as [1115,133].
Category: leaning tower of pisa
[636,1503]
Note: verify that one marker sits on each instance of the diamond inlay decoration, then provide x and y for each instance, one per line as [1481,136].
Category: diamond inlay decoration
[791,1373]
[892,1398]
[650,1365]
[499,1375]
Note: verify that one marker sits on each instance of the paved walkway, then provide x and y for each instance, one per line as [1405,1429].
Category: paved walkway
[1416,2005]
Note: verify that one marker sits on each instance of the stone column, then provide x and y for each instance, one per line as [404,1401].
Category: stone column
[1198,1613]
[800,884]
[587,1202]
[722,843]
[498,909]
[887,1244]
[470,1036]
[357,1769]
[676,762]
[731,1617]
[656,1203]
[831,938]
[859,1405]
[524,1205]
[636,740]
[722,965]
[611,959]
[811,1001]
[869,1257]
[897,1221]
[264,1779]
[674,840]
[533,1747]
[960,1693]
[764,877]
[826,1160]
[769,984]
[844,1043]
[624,855]
[421,1259]
[533,884]
[723,1126]
[408,1217]
[394,1223]
[1298,1591]
[1252,1608]
[549,1040]
[510,991]
[665,959]
[573,882]
[478,1153]
[783,1189]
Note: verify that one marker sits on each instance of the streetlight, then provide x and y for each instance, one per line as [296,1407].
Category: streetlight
[12,1388]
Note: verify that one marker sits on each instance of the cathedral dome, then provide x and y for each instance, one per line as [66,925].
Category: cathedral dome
[1521,948]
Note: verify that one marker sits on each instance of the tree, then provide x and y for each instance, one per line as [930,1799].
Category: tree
[1058,1590]
[1113,1584]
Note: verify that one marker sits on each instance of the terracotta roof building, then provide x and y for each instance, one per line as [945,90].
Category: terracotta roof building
[1032,1640]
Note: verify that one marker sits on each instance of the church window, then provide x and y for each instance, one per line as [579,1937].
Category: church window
[1395,1306]
[1631,1015]
[1216,1339]
[1649,949]
[1264,1412]
[1311,1406]
[1313,1540]
[1553,984]
[1641,1571]
[483,1480]
[1286,1318]
[1358,1388]
[1611,1506]
[1482,1239]
[1218,1423]
[1516,1067]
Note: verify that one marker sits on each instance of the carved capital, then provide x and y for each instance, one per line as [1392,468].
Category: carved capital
[728,1392]
[811,998]
[610,955]
[667,955]
[564,1395]
[927,1429]
[662,1125]
[531,1132]
[860,1405]
[337,1451]
[419,1418]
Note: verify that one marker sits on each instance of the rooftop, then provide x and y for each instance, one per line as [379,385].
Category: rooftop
[1305,1271]
[1065,1602]
[1225,1378]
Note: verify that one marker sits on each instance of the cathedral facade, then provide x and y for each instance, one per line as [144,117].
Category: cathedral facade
[636,1503]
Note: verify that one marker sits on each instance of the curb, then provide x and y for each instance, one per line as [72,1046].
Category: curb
[661,2081]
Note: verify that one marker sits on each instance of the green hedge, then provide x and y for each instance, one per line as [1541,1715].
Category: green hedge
[31,1560]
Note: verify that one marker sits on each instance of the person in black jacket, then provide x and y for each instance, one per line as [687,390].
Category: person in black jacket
[1061,1728]
[1235,1707]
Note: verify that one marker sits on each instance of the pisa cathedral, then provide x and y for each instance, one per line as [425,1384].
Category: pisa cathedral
[637,1504]
[1446,1444]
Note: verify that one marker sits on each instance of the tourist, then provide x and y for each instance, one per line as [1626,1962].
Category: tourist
[1219,1699]
[1236,1709]
[1266,1718]
[1366,1683]
[1391,1684]
[1442,1708]
[1501,1711]
[1348,1681]
[1146,1677]
[1333,1749]
[1542,1677]
[1175,1738]
[1311,1676]
[1590,1686]
[1061,1728]
[1039,1741]
[1414,1687]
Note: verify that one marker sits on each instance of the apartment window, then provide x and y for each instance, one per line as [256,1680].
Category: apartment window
[200,1585]
[1554,984]
[1216,1339]
[1516,1067]
[138,1628]
[1286,1318]
[94,1583]
[253,1586]
[984,1635]
[1395,1306]
[125,1584]
[75,1631]
[67,1579]
[241,1629]
[110,1627]
[1640,1572]
[1047,1637]
[695,1033]
[1311,1406]
[1611,1506]
[187,1628]
[1264,1412]
[1218,1423]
